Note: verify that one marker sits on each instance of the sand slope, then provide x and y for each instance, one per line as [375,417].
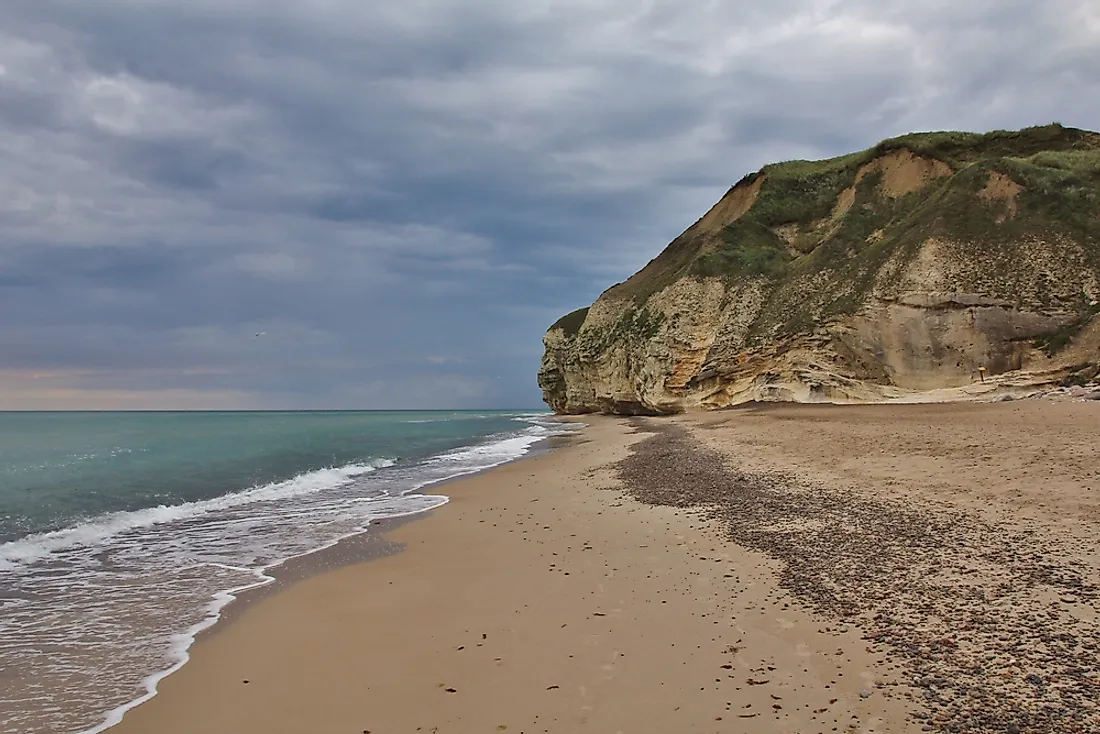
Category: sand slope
[799,569]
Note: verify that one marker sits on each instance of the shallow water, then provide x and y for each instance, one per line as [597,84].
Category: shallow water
[125,534]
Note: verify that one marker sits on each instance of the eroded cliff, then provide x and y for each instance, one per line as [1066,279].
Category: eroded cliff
[929,262]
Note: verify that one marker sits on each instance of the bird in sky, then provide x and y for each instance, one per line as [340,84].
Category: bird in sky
[259,334]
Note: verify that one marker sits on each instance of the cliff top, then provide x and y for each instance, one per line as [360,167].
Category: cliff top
[841,218]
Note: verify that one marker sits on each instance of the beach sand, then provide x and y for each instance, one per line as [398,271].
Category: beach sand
[778,569]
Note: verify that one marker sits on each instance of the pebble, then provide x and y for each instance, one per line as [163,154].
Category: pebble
[955,601]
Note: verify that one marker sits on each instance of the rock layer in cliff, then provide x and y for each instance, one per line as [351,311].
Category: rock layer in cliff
[933,261]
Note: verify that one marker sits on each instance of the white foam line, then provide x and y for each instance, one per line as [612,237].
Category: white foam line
[456,475]
[181,651]
[222,598]
[476,470]
[183,642]
[442,500]
[99,530]
[226,566]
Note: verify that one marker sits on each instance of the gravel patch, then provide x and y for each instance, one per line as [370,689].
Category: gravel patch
[995,626]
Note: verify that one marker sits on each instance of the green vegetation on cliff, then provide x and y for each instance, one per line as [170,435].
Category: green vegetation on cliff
[825,234]
[961,148]
[571,322]
[906,265]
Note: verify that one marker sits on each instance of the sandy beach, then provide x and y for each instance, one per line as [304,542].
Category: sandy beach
[770,569]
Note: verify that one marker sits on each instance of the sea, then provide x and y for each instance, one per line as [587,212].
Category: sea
[123,535]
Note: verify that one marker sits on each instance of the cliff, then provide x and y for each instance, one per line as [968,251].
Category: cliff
[923,264]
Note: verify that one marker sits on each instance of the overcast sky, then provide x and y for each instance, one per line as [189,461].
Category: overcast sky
[402,195]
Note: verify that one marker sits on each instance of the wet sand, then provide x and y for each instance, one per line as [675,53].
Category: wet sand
[794,569]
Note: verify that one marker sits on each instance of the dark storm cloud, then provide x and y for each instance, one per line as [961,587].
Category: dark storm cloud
[403,195]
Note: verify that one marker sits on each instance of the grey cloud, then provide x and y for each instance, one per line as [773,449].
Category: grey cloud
[406,194]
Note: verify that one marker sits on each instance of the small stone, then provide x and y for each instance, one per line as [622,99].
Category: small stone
[865,693]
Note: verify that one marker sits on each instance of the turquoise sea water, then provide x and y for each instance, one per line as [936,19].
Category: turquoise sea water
[123,534]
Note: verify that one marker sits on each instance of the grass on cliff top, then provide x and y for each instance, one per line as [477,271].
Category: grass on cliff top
[674,262]
[1060,199]
[1058,167]
[1062,188]
[803,191]
[1055,164]
[959,149]
[571,322]
[1060,196]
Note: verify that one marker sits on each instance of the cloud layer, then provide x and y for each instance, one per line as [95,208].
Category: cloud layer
[402,196]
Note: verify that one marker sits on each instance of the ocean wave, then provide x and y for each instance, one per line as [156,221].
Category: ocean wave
[468,460]
[180,643]
[102,529]
[503,448]
[120,572]
[456,417]
[549,420]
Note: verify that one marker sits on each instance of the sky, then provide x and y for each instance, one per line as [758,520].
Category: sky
[403,196]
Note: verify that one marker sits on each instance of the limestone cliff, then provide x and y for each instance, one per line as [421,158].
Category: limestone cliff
[925,263]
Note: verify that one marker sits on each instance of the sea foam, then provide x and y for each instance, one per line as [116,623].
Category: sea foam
[101,529]
[118,599]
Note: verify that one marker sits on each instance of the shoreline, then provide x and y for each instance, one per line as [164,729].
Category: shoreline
[332,663]
[361,546]
[734,568]
[370,543]
[357,547]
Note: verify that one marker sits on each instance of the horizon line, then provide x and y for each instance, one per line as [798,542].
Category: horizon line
[272,410]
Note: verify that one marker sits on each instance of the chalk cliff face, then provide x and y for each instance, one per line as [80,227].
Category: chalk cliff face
[926,263]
